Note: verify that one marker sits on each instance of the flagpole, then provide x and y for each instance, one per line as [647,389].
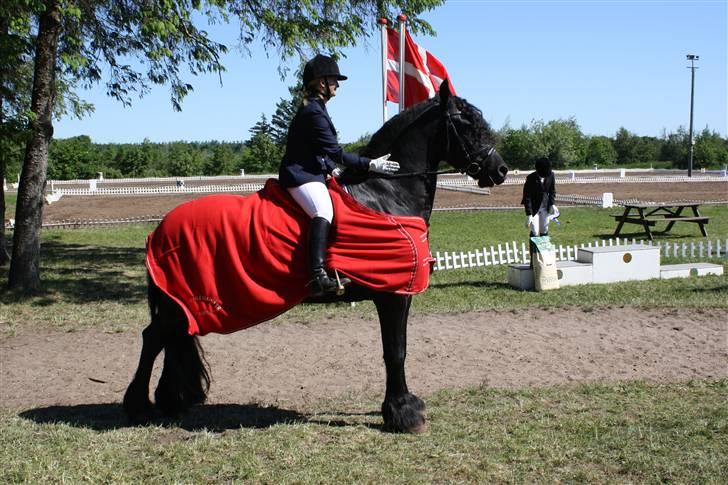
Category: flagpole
[383,22]
[402,19]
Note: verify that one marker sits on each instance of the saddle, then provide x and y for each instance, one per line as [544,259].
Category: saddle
[232,262]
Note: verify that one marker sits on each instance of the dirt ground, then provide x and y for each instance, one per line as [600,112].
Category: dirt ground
[96,207]
[296,366]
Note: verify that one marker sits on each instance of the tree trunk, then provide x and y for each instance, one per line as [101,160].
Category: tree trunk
[25,264]
[4,256]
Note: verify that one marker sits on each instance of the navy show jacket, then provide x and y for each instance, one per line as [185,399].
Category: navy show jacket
[534,192]
[312,149]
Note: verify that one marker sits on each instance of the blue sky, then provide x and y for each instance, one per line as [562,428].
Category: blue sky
[606,63]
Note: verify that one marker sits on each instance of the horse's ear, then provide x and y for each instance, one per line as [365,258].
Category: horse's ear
[445,92]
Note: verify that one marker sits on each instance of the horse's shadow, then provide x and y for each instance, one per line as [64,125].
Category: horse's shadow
[216,418]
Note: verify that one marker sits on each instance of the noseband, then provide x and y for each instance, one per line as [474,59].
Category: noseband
[473,168]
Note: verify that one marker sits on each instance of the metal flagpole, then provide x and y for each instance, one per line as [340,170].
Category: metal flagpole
[402,19]
[383,22]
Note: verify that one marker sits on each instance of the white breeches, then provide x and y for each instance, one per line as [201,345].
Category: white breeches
[314,199]
[540,224]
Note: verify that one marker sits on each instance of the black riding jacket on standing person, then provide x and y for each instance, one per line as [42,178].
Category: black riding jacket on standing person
[312,149]
[534,190]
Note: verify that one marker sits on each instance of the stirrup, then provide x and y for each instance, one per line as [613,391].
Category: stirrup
[340,284]
[322,284]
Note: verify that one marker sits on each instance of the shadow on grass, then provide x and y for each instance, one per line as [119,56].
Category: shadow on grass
[216,418]
[642,235]
[73,273]
[486,285]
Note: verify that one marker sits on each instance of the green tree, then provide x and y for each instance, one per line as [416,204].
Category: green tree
[16,79]
[184,160]
[560,140]
[517,147]
[675,148]
[710,150]
[263,154]
[69,158]
[82,40]
[222,160]
[285,111]
[599,151]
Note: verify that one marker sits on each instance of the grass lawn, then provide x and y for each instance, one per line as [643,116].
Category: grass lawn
[96,277]
[607,433]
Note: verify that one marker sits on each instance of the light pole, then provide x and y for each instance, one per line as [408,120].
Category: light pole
[692,58]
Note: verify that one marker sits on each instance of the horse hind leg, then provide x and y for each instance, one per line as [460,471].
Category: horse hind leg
[185,376]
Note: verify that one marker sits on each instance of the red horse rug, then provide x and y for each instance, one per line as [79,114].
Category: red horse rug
[232,261]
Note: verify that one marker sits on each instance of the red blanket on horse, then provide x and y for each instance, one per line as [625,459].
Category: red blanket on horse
[232,262]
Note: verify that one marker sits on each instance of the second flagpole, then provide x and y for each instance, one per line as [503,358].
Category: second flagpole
[383,22]
[402,19]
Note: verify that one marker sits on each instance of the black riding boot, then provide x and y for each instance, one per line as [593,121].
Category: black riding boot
[321,283]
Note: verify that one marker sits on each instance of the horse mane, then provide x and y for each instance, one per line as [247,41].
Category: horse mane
[392,129]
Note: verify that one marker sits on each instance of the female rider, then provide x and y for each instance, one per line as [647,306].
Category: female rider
[312,152]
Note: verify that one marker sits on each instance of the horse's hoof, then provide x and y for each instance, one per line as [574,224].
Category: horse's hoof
[422,428]
[405,414]
[141,413]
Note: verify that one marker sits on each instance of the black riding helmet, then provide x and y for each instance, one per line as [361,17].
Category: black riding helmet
[543,167]
[321,66]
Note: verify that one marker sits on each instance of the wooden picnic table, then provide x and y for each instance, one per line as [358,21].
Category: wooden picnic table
[647,215]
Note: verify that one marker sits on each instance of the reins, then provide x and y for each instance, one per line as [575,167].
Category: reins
[411,174]
[473,168]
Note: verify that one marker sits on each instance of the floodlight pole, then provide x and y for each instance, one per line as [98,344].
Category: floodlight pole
[692,58]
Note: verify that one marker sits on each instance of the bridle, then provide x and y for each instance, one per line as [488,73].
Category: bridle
[473,168]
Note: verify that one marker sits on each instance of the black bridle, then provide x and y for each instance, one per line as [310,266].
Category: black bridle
[473,168]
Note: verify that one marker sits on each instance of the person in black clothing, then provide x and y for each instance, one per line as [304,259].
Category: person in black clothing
[312,153]
[539,192]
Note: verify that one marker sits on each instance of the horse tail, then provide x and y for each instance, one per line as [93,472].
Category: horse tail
[185,378]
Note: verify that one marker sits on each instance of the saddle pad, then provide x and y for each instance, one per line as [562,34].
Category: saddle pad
[234,261]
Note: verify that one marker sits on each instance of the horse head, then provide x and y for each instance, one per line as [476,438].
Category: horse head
[444,128]
[468,142]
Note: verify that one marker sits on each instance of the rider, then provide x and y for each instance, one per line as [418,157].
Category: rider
[312,152]
[539,192]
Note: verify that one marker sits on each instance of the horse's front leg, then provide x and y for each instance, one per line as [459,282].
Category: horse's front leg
[402,411]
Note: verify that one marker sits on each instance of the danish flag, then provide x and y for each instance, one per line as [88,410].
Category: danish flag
[423,72]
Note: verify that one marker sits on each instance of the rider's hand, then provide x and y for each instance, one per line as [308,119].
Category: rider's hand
[383,165]
[336,173]
[529,221]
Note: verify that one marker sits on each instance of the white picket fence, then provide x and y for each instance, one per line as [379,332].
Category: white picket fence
[517,252]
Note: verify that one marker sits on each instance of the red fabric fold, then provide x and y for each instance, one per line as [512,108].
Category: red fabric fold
[232,262]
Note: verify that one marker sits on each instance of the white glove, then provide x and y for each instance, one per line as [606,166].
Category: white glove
[554,214]
[529,221]
[336,173]
[383,165]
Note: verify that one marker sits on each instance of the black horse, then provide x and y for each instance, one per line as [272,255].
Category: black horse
[445,128]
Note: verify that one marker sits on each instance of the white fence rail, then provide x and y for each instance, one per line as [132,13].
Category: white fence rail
[517,252]
[140,186]
[163,190]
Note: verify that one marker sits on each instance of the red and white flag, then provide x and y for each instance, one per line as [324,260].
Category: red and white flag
[423,72]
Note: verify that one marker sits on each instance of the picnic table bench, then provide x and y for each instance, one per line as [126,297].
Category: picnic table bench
[648,215]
